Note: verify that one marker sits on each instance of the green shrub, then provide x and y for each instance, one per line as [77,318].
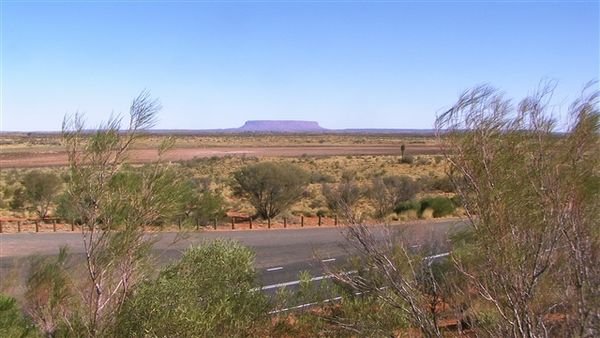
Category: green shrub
[40,189]
[407,205]
[208,293]
[388,192]
[12,321]
[270,187]
[441,206]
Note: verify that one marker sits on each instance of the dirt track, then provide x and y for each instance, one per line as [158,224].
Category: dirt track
[33,158]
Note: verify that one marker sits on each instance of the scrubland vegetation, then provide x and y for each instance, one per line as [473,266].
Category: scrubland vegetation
[526,265]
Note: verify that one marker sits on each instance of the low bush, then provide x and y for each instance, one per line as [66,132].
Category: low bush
[442,184]
[407,159]
[12,321]
[210,292]
[441,206]
[407,205]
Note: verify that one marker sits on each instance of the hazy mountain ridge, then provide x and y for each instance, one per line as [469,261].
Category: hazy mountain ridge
[262,127]
[281,126]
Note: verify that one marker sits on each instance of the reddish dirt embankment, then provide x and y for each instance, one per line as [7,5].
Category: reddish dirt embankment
[40,158]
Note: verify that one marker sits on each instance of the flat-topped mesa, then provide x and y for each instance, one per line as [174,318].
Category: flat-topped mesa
[281,126]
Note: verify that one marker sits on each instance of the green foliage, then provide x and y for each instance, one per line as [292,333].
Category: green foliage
[270,187]
[210,292]
[529,188]
[211,205]
[40,189]
[389,191]
[407,205]
[12,321]
[66,210]
[49,295]
[441,206]
[343,196]
[17,202]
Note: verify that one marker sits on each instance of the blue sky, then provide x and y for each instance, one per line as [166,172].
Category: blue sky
[344,64]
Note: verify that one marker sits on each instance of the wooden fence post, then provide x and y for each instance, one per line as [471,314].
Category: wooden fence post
[72,225]
[336,220]
[18,226]
[319,220]
[0,227]
[179,223]
[284,222]
[215,224]
[301,221]
[53,225]
[269,222]
[197,224]
[232,223]
[250,221]
[37,226]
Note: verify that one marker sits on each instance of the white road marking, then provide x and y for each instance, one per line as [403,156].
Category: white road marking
[275,269]
[296,282]
[314,279]
[438,255]
[328,260]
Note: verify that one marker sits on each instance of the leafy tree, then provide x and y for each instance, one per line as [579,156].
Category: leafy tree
[389,191]
[40,190]
[527,265]
[114,205]
[210,292]
[201,204]
[211,205]
[270,187]
[344,195]
[17,202]
[532,200]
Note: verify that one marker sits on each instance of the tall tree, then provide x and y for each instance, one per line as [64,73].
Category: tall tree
[533,202]
[40,190]
[114,205]
[270,187]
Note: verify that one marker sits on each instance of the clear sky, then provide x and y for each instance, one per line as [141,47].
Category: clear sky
[346,64]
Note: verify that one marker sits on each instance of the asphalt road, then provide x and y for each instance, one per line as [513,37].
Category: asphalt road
[280,254]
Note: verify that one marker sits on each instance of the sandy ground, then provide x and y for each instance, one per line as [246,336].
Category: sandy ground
[44,158]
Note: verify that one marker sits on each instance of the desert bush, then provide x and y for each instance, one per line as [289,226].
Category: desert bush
[342,196]
[209,292]
[443,184]
[389,191]
[49,295]
[12,321]
[441,206]
[17,202]
[114,203]
[533,208]
[318,177]
[40,188]
[211,206]
[407,205]
[270,187]
[407,159]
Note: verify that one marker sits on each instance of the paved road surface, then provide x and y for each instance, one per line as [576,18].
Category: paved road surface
[280,254]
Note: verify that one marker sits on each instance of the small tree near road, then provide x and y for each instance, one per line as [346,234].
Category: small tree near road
[387,192]
[40,190]
[270,187]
